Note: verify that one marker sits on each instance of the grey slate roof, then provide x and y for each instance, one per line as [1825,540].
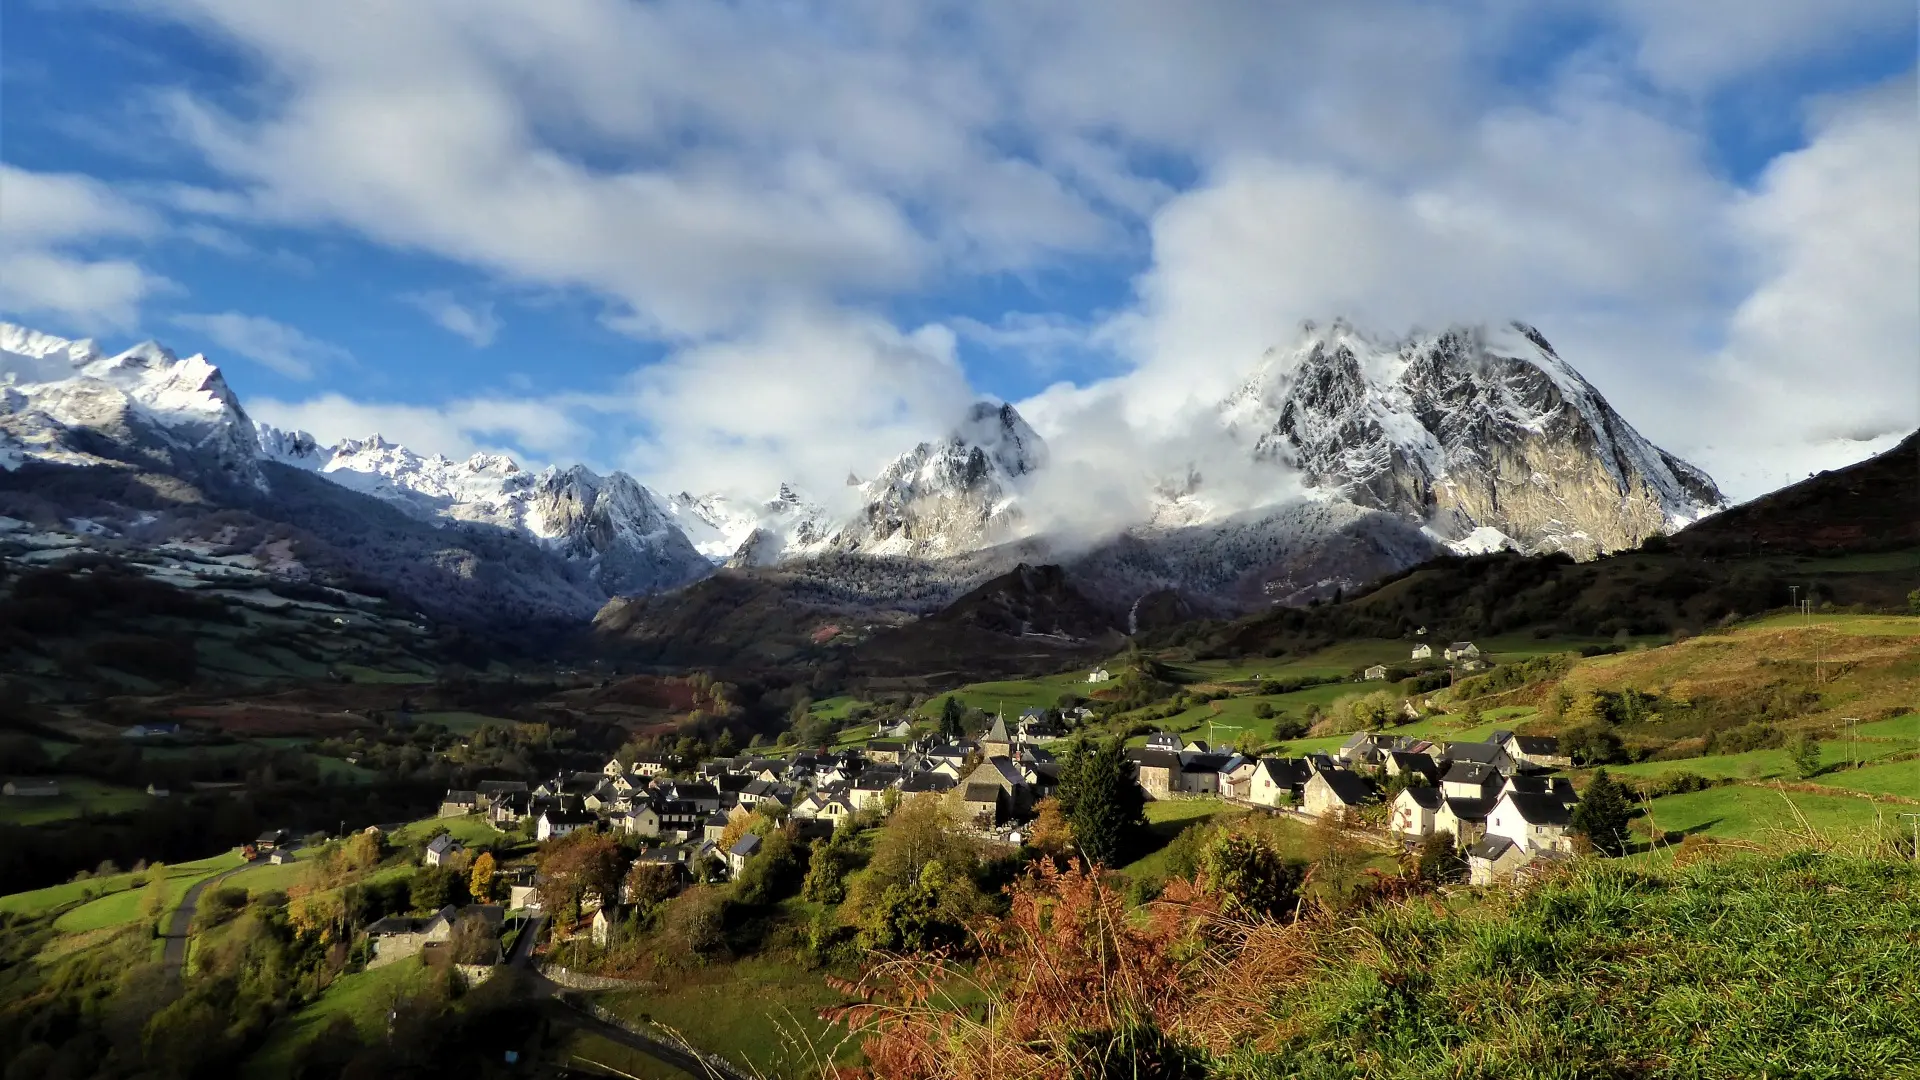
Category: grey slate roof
[1541,809]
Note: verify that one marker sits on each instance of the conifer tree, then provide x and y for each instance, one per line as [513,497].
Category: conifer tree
[1103,801]
[1602,814]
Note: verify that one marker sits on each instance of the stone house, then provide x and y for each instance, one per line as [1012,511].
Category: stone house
[743,849]
[885,751]
[1540,751]
[457,803]
[1157,771]
[1335,792]
[397,937]
[1462,650]
[1493,858]
[1470,780]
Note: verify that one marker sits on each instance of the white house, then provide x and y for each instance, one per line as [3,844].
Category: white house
[1462,650]
[1532,822]
[440,849]
[1377,671]
[559,823]
[1414,811]
[1276,781]
[1098,675]
[1423,651]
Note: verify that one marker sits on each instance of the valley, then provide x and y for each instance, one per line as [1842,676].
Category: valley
[341,761]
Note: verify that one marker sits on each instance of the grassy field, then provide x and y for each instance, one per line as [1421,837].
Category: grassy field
[758,1013]
[596,1055]
[470,830]
[1859,625]
[1166,819]
[1014,696]
[78,795]
[40,901]
[364,674]
[1906,728]
[362,997]
[1761,764]
[1749,812]
[1894,778]
[463,723]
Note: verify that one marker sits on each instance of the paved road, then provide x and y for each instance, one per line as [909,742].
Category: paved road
[180,923]
[523,945]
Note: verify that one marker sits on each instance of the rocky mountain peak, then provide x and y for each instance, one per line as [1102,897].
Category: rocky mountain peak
[1475,430]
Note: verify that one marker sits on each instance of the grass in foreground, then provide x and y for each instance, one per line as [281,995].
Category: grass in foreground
[1795,965]
[756,1012]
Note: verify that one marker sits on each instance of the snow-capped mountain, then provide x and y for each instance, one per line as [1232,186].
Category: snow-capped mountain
[1485,435]
[1473,437]
[736,533]
[949,497]
[64,402]
[626,537]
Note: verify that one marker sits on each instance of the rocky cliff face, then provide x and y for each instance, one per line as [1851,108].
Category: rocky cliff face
[620,533]
[63,402]
[949,497]
[1487,436]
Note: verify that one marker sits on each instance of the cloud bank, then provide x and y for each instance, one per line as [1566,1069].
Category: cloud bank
[758,191]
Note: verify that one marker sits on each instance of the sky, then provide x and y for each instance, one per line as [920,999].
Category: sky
[727,244]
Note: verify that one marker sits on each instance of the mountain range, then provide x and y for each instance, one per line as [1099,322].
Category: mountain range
[1381,454]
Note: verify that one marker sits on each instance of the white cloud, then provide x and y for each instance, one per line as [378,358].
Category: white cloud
[749,181]
[1700,43]
[528,428]
[1823,357]
[809,397]
[274,345]
[49,225]
[475,322]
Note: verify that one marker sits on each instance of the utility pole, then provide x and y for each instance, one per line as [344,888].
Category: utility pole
[1795,590]
[1853,739]
[1916,835]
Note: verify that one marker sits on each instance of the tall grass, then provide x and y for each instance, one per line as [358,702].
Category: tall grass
[1800,959]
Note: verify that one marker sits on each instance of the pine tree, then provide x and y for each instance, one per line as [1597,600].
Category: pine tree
[1602,814]
[1103,801]
[952,713]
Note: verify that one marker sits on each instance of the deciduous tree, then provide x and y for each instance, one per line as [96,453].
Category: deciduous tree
[480,878]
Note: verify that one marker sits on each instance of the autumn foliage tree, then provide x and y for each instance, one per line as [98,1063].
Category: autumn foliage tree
[580,864]
[480,878]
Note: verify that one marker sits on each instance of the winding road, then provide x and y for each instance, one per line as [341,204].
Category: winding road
[180,923]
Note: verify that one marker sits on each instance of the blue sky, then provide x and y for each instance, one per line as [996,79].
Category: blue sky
[728,244]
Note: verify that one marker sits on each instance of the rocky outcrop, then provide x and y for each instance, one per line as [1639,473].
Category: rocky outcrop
[1485,435]
[949,497]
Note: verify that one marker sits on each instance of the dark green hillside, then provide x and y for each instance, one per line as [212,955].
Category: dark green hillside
[1849,538]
